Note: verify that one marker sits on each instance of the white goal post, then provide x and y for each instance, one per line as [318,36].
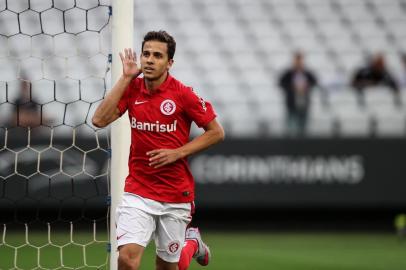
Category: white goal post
[122,37]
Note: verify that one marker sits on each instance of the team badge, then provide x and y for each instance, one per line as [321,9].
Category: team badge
[173,247]
[168,107]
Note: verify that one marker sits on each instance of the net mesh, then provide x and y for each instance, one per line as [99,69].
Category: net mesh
[54,165]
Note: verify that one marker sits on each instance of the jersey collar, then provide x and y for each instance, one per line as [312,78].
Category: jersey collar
[161,87]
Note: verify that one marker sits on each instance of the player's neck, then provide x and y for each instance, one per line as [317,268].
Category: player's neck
[152,85]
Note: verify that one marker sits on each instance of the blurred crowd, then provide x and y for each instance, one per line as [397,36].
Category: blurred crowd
[297,83]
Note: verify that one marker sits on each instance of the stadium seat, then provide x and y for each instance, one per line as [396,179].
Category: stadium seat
[322,12]
[390,121]
[389,116]
[376,97]
[389,10]
[289,12]
[354,120]
[321,122]
[252,12]
[242,120]
[356,11]
[272,115]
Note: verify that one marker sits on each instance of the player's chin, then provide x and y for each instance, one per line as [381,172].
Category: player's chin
[151,77]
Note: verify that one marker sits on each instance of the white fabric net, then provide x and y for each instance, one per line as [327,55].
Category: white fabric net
[54,165]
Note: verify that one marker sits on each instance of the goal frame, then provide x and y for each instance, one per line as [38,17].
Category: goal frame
[122,37]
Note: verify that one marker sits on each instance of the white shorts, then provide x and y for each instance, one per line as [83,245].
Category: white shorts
[140,219]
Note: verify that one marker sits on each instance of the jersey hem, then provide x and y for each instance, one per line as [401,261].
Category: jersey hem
[173,199]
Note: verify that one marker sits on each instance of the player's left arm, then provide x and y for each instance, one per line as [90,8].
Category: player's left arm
[213,134]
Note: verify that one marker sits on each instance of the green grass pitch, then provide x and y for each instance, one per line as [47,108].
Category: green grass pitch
[243,250]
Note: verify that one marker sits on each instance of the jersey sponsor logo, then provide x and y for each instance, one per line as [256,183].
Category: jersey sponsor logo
[156,127]
[173,247]
[140,102]
[168,107]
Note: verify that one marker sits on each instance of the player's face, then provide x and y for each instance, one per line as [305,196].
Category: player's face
[154,60]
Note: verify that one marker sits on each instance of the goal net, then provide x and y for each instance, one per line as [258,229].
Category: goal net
[54,164]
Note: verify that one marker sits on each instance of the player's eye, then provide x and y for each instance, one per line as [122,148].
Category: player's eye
[157,55]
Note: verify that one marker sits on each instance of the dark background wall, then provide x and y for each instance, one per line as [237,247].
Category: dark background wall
[279,184]
[302,183]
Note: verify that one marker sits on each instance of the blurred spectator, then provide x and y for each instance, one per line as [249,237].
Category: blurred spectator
[27,112]
[374,74]
[297,83]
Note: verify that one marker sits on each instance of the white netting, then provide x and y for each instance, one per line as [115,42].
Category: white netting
[54,165]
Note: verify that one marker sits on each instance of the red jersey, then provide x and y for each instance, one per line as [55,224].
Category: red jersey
[162,120]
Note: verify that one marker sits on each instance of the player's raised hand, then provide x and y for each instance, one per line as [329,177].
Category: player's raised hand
[129,60]
[162,157]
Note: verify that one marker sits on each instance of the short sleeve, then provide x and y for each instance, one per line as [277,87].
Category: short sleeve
[123,103]
[198,110]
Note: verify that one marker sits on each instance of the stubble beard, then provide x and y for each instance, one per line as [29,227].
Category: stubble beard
[152,78]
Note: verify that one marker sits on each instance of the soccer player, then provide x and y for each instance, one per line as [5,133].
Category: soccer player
[159,190]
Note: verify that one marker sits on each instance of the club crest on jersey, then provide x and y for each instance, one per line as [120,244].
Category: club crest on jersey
[168,107]
[173,247]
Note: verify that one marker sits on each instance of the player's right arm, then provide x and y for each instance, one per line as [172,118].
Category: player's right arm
[107,111]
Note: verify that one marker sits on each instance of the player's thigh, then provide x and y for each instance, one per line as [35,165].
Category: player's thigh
[170,235]
[134,226]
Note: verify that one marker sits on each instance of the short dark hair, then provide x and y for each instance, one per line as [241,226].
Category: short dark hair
[161,36]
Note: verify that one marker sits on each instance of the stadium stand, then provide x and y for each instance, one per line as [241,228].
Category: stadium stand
[232,51]
[236,50]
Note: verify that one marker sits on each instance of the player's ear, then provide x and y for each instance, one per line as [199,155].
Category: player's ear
[170,63]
